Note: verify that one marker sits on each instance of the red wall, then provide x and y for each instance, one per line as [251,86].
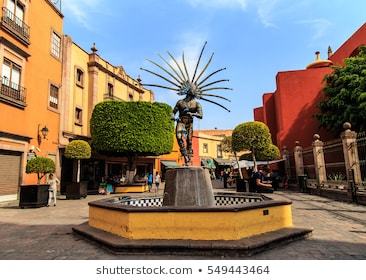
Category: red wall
[290,111]
[349,48]
[258,114]
[297,97]
[269,114]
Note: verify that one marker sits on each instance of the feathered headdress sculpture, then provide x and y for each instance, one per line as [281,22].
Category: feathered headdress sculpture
[179,79]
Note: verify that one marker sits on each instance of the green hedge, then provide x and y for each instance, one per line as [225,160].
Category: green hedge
[141,128]
[78,149]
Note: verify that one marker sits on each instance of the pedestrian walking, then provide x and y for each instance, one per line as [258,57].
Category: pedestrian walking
[157,181]
[52,191]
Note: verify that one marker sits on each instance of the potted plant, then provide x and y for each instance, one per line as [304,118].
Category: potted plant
[77,150]
[36,195]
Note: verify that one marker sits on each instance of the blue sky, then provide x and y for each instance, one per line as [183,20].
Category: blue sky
[254,39]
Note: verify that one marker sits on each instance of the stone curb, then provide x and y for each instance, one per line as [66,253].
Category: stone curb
[237,248]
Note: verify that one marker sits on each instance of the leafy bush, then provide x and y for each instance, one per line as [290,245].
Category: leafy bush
[132,128]
[253,136]
[345,95]
[78,149]
[41,166]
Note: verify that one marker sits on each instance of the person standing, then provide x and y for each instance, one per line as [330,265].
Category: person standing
[150,181]
[157,181]
[52,191]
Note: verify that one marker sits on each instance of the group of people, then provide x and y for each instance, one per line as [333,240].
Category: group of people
[264,180]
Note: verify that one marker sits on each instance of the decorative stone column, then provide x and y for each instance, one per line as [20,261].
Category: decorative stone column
[299,161]
[286,157]
[319,162]
[349,140]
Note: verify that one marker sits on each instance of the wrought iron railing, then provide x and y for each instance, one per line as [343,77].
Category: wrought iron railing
[361,147]
[12,91]
[15,24]
[56,3]
[309,165]
[334,161]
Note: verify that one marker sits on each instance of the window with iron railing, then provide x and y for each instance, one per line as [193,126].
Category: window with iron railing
[11,80]
[13,20]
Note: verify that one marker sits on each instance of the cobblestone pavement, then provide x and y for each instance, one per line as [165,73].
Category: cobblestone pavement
[45,233]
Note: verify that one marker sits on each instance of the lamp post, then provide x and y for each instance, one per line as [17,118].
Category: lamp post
[42,132]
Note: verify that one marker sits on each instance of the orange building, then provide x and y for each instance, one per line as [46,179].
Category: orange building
[30,57]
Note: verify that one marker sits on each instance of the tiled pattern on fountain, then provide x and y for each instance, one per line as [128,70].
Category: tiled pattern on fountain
[221,200]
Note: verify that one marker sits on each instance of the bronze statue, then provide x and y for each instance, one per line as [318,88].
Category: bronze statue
[193,89]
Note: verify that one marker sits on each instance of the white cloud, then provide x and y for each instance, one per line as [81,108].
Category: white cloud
[81,9]
[319,26]
[265,9]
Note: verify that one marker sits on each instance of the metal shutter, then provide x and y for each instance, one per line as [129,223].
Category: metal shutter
[9,173]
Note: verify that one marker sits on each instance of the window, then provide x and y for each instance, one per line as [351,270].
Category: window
[219,151]
[110,90]
[78,116]
[11,74]
[205,148]
[130,96]
[56,45]
[13,20]
[54,97]
[79,77]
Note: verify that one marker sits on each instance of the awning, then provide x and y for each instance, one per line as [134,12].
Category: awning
[249,164]
[169,163]
[223,162]
[208,163]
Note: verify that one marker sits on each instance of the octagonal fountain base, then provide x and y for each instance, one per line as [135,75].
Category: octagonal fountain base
[237,225]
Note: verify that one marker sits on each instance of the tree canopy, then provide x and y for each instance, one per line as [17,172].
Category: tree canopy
[345,95]
[255,137]
[41,166]
[78,149]
[132,128]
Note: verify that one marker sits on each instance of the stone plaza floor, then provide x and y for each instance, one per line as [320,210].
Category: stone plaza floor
[46,233]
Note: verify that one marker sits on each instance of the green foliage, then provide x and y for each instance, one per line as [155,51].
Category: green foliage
[78,149]
[345,93]
[270,153]
[132,128]
[255,137]
[41,166]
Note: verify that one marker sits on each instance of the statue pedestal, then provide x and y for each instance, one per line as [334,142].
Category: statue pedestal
[188,186]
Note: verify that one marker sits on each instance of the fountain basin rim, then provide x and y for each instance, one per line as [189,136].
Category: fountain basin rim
[105,204]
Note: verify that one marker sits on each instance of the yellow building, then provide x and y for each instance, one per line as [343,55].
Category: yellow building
[88,79]
[210,150]
[30,57]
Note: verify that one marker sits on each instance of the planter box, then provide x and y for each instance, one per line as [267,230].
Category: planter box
[77,190]
[33,196]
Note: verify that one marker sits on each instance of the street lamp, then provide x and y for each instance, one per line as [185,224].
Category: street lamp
[42,132]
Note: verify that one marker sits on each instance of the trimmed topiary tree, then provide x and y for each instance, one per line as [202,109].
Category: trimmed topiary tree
[255,137]
[132,129]
[78,150]
[41,166]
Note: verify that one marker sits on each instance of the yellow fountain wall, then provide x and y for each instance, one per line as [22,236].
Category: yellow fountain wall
[190,225]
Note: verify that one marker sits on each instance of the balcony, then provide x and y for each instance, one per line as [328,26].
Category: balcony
[108,97]
[15,26]
[12,94]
